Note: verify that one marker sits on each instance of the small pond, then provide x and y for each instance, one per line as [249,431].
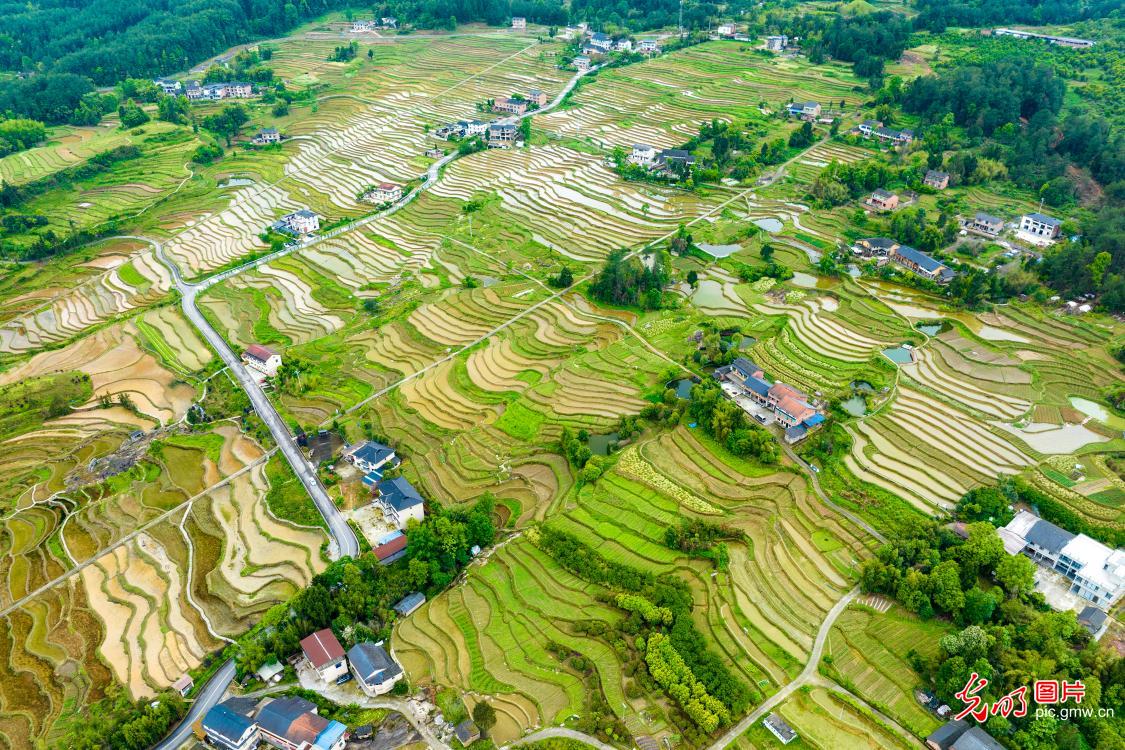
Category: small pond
[856,405]
[899,355]
[235,182]
[743,341]
[862,386]
[1098,412]
[709,293]
[802,279]
[600,444]
[682,387]
[855,271]
[718,251]
[933,329]
[771,225]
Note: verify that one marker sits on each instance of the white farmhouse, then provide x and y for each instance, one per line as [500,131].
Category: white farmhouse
[642,154]
[301,222]
[400,501]
[325,655]
[263,359]
[1038,225]
[384,192]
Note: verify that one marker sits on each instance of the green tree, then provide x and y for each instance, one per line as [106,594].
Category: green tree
[484,716]
[1016,574]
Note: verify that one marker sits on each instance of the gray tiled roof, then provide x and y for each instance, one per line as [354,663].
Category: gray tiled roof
[1048,536]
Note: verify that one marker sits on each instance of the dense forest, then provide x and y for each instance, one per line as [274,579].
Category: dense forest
[866,40]
[936,15]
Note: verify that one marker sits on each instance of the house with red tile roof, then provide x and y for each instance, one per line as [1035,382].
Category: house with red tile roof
[325,655]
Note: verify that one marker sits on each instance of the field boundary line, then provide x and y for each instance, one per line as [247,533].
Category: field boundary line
[79,567]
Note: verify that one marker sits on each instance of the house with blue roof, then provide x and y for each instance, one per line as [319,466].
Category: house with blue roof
[400,501]
[922,264]
[293,724]
[230,730]
[370,456]
[374,669]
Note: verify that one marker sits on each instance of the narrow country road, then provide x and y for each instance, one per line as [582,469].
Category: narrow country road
[809,673]
[210,695]
[343,541]
[824,496]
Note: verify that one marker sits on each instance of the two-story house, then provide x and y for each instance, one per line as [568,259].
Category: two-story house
[374,669]
[325,655]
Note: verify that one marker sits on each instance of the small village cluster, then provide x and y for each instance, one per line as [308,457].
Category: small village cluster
[667,162]
[293,723]
[746,384]
[595,45]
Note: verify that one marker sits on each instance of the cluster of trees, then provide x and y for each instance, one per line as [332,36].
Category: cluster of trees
[344,52]
[228,122]
[625,281]
[578,454]
[1095,264]
[731,696]
[55,98]
[727,423]
[868,40]
[991,504]
[912,226]
[121,722]
[673,674]
[702,538]
[20,133]
[354,596]
[839,183]
[1009,635]
[937,15]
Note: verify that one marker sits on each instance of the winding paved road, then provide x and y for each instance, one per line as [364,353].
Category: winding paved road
[211,694]
[343,541]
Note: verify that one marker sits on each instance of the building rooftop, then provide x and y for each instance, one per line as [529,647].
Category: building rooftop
[1048,536]
[1044,219]
[296,720]
[259,352]
[917,257]
[984,218]
[882,194]
[321,648]
[1092,619]
[399,494]
[226,723]
[409,603]
[976,738]
[372,452]
[372,663]
[779,727]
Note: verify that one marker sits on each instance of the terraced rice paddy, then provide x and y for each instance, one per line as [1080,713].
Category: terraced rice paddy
[869,655]
[663,101]
[570,201]
[69,312]
[761,624]
[949,451]
[35,463]
[149,605]
[824,719]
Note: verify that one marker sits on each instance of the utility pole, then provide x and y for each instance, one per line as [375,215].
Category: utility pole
[681,20]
